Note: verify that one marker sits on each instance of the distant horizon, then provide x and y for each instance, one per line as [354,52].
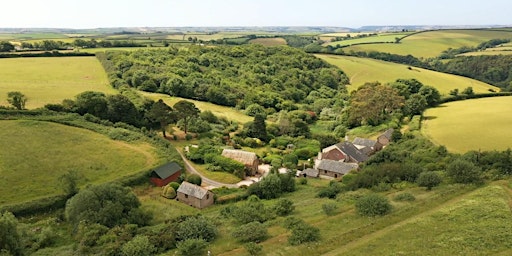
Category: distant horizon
[95,14]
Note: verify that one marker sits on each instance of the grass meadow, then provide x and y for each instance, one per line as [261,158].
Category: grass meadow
[463,125]
[221,111]
[35,153]
[379,38]
[50,80]
[445,221]
[361,70]
[431,43]
[269,41]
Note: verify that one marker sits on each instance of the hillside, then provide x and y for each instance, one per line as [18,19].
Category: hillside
[361,70]
[50,80]
[478,124]
[430,44]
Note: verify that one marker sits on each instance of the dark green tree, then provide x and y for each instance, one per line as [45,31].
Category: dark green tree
[162,114]
[94,103]
[6,46]
[184,111]
[10,237]
[429,180]
[258,128]
[415,105]
[431,94]
[17,99]
[121,109]
[462,171]
[107,204]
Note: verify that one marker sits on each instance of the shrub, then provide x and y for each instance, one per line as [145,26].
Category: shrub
[373,205]
[192,247]
[197,227]
[462,171]
[292,222]
[194,179]
[303,233]
[251,232]
[303,181]
[404,197]
[168,192]
[329,208]
[174,185]
[139,245]
[284,207]
[253,248]
[429,180]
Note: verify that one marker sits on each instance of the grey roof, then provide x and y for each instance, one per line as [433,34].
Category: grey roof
[192,190]
[337,166]
[351,150]
[388,133]
[241,156]
[166,170]
[310,172]
[364,142]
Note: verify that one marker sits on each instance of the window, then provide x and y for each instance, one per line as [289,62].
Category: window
[186,196]
[207,196]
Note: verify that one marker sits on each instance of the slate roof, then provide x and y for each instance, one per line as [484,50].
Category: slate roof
[364,142]
[310,172]
[241,156]
[388,133]
[337,166]
[351,150]
[166,170]
[192,190]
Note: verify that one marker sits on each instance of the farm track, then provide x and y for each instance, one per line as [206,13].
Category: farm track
[381,232]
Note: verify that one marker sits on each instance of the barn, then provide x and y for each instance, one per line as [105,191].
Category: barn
[164,174]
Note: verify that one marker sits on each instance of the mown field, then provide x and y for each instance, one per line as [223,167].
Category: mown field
[361,70]
[431,43]
[50,80]
[449,220]
[269,41]
[229,113]
[34,154]
[478,124]
[379,38]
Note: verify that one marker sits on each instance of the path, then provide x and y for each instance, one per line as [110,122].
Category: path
[209,182]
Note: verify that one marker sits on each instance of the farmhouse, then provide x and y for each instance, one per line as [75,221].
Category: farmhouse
[166,173]
[309,172]
[249,159]
[335,169]
[194,195]
[367,146]
[385,138]
[344,151]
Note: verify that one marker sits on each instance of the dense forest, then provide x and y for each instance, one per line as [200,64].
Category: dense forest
[273,77]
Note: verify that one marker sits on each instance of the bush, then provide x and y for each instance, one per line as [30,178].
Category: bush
[174,185]
[373,205]
[329,208]
[197,227]
[253,248]
[192,247]
[462,171]
[168,192]
[139,246]
[251,232]
[284,207]
[330,191]
[303,181]
[194,179]
[429,180]
[303,233]
[404,197]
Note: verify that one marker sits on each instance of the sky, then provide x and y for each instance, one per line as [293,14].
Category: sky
[204,13]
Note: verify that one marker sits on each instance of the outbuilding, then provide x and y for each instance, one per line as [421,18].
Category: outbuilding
[164,174]
[194,195]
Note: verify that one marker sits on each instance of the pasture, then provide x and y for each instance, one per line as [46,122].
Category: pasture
[477,124]
[379,38]
[430,44]
[220,111]
[51,80]
[269,41]
[361,70]
[35,154]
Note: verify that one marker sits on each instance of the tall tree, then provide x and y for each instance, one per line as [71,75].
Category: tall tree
[17,99]
[372,103]
[94,103]
[162,114]
[184,111]
[6,46]
[121,109]
[258,128]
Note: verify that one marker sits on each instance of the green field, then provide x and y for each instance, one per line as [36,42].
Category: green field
[361,70]
[478,124]
[431,43]
[380,38]
[269,41]
[35,153]
[229,113]
[50,80]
